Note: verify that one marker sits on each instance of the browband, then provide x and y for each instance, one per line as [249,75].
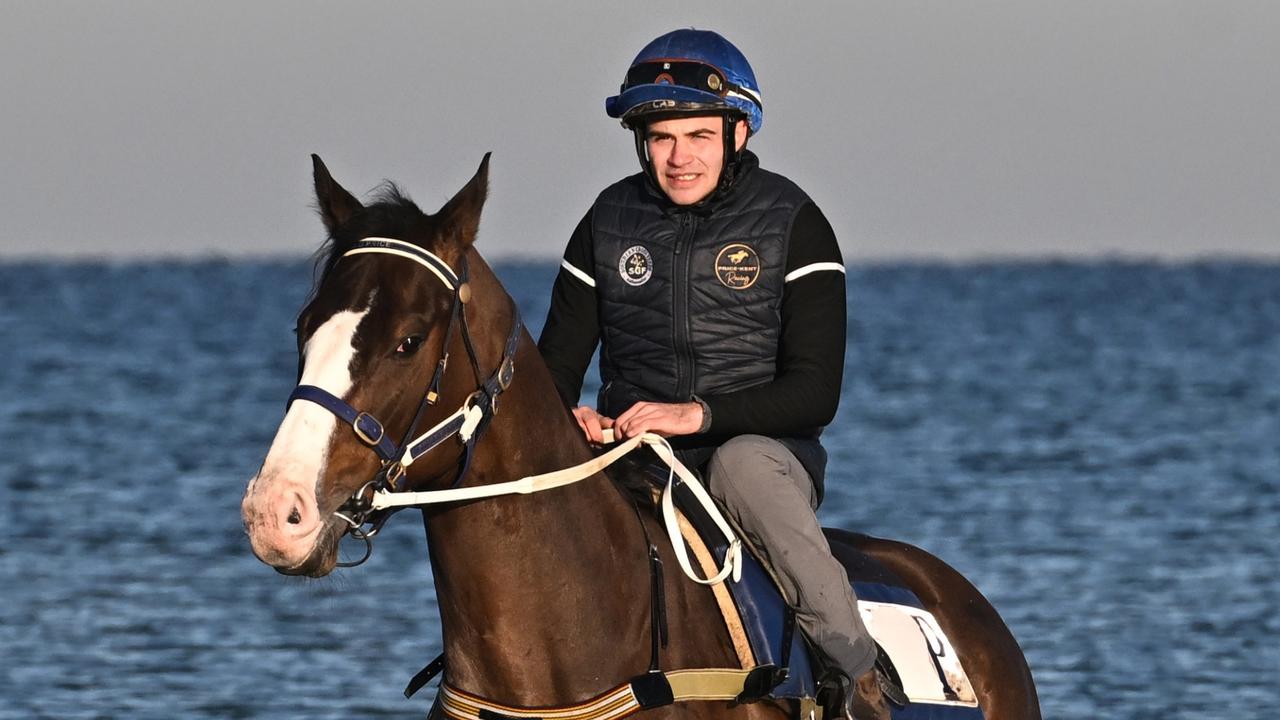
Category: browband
[390,246]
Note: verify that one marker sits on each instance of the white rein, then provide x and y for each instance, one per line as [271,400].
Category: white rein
[383,499]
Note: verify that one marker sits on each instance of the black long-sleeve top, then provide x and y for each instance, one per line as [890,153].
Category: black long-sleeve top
[805,390]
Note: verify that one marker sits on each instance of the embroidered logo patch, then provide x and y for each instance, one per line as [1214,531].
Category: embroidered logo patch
[636,265]
[738,266]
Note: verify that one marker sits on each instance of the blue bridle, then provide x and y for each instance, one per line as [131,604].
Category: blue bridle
[467,423]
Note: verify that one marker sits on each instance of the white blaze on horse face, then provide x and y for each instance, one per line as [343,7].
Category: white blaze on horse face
[300,450]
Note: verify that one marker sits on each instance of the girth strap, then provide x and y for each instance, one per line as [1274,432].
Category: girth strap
[646,691]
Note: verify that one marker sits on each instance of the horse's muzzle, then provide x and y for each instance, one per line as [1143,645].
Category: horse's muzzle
[286,529]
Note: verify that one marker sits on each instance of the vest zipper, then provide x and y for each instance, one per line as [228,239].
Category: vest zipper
[680,308]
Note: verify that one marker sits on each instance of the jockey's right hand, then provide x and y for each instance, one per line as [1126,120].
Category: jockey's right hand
[592,423]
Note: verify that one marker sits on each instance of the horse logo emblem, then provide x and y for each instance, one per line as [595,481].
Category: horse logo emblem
[737,266]
[636,265]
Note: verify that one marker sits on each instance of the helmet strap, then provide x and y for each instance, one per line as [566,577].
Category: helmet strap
[732,156]
[641,131]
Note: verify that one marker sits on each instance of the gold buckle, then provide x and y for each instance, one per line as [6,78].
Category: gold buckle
[506,372]
[364,437]
[394,473]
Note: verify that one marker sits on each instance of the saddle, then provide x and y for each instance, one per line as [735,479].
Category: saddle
[915,656]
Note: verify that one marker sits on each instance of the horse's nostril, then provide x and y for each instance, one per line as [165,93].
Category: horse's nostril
[295,517]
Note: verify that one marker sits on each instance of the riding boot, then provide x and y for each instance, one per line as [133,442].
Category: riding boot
[875,691]
[865,700]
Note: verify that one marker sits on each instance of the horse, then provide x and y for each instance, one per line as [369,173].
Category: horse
[544,598]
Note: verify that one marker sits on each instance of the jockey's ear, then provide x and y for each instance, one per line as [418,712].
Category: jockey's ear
[460,217]
[336,204]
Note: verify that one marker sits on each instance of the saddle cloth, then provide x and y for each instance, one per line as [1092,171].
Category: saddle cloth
[921,660]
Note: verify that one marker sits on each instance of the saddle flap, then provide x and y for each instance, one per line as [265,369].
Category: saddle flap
[759,609]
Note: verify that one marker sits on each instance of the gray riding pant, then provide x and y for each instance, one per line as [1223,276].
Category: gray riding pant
[770,497]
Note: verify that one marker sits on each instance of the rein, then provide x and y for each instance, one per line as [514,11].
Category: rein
[466,423]
[559,478]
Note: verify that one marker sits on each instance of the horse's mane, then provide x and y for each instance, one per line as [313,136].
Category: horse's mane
[391,213]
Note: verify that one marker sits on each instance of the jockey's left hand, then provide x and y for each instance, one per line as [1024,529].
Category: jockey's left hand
[665,419]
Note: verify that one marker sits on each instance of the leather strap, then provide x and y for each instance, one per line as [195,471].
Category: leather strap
[646,691]
[365,426]
[523,486]
[707,683]
[391,246]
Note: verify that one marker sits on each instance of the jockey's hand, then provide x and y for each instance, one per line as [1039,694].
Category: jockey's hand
[592,423]
[665,419]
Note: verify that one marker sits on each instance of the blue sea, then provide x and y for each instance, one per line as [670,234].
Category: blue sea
[1096,445]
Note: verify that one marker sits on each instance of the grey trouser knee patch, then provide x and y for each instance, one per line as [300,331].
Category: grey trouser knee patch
[750,465]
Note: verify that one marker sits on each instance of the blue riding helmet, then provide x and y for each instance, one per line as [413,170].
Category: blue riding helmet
[688,72]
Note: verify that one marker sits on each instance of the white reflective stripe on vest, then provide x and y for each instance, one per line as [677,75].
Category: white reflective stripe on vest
[578,273]
[813,268]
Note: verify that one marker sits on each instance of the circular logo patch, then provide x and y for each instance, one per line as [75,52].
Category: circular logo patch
[738,266]
[636,265]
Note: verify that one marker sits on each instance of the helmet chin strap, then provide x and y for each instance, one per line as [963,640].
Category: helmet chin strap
[728,169]
[642,152]
[732,156]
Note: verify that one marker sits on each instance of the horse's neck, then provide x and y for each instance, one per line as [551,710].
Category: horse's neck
[538,587]
[539,594]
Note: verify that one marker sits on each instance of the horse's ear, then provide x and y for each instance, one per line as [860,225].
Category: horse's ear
[336,204]
[461,215]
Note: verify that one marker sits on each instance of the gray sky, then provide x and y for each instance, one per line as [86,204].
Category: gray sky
[923,129]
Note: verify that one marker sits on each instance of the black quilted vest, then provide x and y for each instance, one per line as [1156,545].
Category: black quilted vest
[690,297]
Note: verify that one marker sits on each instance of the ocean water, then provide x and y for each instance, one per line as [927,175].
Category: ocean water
[1095,445]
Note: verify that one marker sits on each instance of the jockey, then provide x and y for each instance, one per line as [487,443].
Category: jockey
[716,291]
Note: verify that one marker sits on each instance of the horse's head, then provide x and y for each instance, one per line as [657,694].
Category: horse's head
[370,342]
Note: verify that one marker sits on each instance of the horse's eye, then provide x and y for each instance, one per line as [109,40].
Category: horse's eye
[409,345]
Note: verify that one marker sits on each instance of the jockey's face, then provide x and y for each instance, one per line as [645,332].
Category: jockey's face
[688,154]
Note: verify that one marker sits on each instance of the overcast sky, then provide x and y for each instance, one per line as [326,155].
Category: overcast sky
[923,129]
